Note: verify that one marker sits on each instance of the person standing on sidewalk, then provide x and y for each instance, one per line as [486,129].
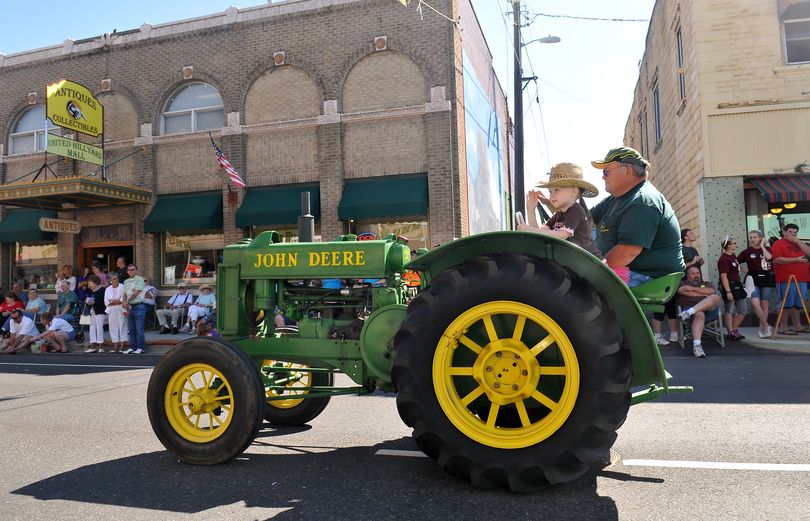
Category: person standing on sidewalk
[757,258]
[790,257]
[114,298]
[691,257]
[731,289]
[133,294]
[98,314]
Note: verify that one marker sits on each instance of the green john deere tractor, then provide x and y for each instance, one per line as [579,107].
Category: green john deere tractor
[513,361]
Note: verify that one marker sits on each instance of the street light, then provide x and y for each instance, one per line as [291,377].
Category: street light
[544,39]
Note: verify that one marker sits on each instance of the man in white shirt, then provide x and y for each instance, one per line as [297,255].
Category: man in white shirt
[176,308]
[57,333]
[23,333]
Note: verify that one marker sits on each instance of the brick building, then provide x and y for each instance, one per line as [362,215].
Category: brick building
[722,110]
[393,122]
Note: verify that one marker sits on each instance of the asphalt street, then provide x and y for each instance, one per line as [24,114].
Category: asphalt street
[77,445]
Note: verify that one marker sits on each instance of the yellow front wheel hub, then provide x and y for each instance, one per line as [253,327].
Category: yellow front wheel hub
[199,403]
[506,374]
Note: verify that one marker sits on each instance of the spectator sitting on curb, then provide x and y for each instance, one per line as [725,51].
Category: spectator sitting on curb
[700,302]
[23,333]
[57,333]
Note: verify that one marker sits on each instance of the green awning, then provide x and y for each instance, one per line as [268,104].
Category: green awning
[384,197]
[186,212]
[23,226]
[277,205]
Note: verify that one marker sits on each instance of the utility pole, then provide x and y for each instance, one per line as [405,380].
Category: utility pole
[520,190]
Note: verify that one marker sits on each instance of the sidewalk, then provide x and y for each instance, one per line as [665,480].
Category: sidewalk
[156,344]
[783,343]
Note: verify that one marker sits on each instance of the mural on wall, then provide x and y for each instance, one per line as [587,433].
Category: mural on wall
[484,156]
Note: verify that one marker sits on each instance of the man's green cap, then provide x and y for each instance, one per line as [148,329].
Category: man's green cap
[626,155]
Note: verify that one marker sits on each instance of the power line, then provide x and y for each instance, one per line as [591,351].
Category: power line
[590,18]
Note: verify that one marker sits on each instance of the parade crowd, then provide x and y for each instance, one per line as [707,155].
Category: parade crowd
[87,303]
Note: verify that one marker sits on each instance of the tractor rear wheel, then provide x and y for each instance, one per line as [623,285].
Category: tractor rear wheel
[511,371]
[293,411]
[205,401]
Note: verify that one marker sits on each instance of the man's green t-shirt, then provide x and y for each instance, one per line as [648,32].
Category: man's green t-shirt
[641,217]
[65,298]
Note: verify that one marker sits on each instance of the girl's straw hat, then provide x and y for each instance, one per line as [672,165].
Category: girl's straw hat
[569,175]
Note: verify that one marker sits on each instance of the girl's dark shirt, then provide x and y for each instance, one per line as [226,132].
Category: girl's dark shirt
[729,265]
[575,221]
[755,260]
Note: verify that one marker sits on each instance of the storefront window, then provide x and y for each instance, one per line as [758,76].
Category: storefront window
[416,232]
[759,216]
[287,234]
[191,258]
[35,265]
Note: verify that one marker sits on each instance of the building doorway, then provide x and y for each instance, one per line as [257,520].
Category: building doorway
[104,253]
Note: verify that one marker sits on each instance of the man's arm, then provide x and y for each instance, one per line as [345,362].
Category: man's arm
[622,255]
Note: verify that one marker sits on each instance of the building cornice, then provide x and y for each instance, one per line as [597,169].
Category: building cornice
[147,31]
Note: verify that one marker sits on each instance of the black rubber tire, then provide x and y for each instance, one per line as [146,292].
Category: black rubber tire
[601,404]
[303,413]
[247,388]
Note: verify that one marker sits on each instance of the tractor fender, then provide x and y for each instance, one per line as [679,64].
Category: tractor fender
[647,364]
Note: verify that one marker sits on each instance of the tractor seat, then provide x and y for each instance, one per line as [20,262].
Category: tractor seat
[652,296]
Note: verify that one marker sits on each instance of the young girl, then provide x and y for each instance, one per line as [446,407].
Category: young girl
[758,259]
[571,221]
[736,305]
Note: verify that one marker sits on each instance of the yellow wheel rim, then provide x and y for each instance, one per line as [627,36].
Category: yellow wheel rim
[505,374]
[199,403]
[295,380]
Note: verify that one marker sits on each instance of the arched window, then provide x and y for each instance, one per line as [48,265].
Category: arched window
[29,132]
[797,33]
[192,108]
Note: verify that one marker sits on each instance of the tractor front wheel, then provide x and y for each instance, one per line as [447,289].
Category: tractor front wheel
[294,409]
[510,370]
[205,401]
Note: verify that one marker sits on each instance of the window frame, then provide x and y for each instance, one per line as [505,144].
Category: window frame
[680,60]
[785,39]
[192,112]
[13,264]
[161,276]
[659,131]
[37,134]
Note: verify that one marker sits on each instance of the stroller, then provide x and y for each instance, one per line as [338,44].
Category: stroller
[74,319]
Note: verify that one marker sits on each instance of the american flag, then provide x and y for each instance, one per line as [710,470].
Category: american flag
[226,165]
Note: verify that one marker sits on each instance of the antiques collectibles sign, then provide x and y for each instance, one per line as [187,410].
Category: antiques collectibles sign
[75,150]
[70,105]
[46,224]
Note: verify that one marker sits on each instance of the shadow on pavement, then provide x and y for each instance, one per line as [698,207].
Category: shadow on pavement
[348,483]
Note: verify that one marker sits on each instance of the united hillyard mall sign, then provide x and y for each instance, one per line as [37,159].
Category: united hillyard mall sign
[72,106]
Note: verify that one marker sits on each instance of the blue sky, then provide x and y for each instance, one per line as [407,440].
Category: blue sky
[586,81]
